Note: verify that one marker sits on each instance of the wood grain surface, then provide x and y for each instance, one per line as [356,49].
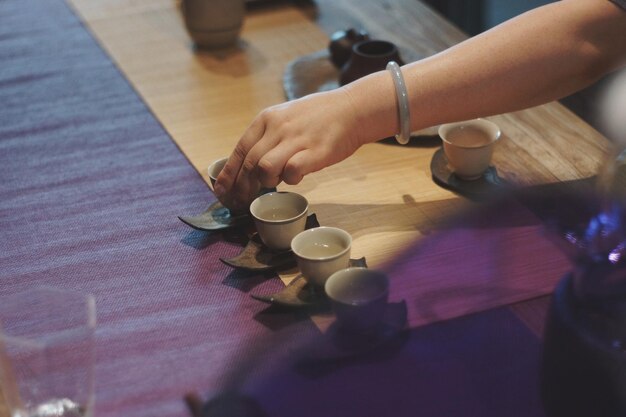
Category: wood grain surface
[383,195]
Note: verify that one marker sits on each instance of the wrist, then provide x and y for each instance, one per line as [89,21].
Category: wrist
[374,105]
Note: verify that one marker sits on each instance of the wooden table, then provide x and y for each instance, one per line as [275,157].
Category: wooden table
[383,195]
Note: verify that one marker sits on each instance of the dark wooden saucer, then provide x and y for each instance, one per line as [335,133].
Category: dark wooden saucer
[215,217]
[300,294]
[255,256]
[489,184]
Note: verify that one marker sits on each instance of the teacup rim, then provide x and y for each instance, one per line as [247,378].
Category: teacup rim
[382,294]
[304,212]
[356,47]
[482,121]
[212,164]
[324,258]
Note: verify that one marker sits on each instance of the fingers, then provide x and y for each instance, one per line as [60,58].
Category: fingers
[269,162]
[258,159]
[303,163]
[272,164]
[283,143]
[227,179]
[247,184]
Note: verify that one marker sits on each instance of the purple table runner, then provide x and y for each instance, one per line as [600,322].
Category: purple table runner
[90,189]
[91,186]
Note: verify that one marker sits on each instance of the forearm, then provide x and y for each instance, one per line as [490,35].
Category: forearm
[538,57]
[535,58]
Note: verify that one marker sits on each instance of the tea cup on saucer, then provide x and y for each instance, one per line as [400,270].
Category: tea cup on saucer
[320,252]
[468,146]
[279,216]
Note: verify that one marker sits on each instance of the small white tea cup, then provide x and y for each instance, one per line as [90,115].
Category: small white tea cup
[320,252]
[279,216]
[215,168]
[358,297]
[468,146]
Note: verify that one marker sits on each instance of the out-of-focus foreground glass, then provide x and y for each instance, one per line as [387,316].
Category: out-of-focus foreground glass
[47,353]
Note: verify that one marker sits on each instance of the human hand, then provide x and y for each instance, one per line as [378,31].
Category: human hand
[288,141]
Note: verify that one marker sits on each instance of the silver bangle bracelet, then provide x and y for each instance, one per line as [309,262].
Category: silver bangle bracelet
[402,96]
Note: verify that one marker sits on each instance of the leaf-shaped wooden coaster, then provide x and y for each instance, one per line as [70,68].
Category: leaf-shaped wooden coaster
[215,217]
[298,293]
[258,257]
[488,184]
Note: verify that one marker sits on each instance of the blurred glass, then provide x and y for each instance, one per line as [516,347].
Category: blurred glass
[47,353]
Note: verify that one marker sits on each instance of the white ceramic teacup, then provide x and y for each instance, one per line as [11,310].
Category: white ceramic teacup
[358,296]
[278,217]
[321,251]
[469,146]
[215,168]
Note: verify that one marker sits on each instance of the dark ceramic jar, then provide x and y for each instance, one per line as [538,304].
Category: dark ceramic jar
[367,57]
[341,43]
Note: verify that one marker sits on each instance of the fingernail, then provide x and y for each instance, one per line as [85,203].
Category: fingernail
[219,190]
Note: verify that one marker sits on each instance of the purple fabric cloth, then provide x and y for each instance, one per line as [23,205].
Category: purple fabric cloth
[91,186]
[90,189]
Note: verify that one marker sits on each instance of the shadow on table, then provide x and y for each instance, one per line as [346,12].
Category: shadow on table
[277,318]
[567,202]
[200,240]
[425,141]
[245,281]
[505,251]
[425,217]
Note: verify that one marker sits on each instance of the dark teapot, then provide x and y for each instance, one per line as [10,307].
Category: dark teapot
[341,43]
[368,56]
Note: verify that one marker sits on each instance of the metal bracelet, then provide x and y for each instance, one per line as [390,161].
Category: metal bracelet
[404,114]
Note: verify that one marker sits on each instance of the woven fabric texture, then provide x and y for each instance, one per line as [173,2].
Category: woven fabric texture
[91,186]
